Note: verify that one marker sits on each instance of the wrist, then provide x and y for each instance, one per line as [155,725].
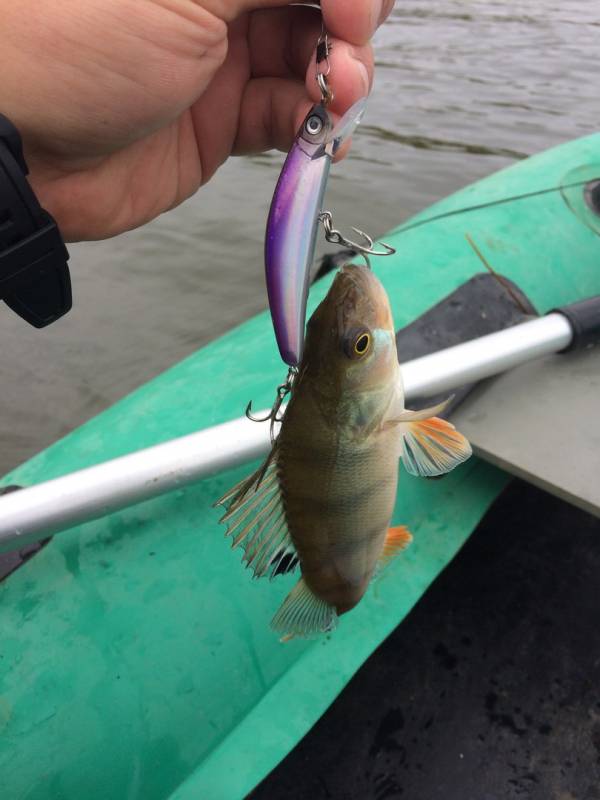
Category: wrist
[34,277]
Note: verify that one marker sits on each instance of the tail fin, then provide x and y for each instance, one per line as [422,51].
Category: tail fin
[303,614]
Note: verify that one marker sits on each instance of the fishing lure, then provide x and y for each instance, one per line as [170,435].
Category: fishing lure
[297,209]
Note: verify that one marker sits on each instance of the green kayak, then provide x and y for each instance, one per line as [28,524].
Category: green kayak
[136,658]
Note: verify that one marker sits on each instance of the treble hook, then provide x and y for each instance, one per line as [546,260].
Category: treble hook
[335,237]
[274,416]
[253,417]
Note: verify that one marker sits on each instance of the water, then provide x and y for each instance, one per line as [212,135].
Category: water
[462,89]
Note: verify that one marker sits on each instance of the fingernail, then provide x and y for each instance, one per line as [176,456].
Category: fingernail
[364,75]
[376,14]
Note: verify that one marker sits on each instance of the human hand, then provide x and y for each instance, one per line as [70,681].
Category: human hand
[126,107]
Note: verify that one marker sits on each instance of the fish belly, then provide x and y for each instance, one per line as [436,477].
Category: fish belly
[339,496]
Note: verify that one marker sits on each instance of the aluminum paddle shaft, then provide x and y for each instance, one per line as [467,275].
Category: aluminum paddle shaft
[36,512]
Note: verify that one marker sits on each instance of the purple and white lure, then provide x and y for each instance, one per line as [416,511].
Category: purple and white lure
[294,216]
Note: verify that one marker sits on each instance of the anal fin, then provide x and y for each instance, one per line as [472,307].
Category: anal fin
[396,540]
[303,614]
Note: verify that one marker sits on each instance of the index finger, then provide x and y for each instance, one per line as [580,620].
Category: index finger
[354,20]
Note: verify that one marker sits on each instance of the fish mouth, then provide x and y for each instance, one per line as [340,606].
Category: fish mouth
[360,296]
[362,277]
[356,271]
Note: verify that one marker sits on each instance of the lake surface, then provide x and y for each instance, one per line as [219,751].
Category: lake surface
[462,89]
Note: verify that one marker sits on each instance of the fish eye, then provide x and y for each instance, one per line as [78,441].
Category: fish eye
[314,125]
[357,343]
[361,345]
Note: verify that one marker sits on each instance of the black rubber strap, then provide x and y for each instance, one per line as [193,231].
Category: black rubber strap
[34,276]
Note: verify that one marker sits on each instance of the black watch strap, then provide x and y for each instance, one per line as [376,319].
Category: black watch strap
[34,276]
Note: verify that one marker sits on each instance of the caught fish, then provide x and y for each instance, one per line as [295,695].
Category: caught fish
[324,498]
[293,221]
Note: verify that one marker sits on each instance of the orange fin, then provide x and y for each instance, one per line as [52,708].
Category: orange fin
[396,540]
[432,447]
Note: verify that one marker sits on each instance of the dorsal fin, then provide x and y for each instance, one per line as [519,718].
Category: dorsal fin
[255,517]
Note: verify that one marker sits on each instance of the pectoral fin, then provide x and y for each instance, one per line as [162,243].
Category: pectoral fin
[398,416]
[424,413]
[431,446]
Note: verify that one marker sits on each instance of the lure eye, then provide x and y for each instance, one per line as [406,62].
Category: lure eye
[357,344]
[313,125]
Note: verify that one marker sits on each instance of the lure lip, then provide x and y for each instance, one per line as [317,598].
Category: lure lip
[293,219]
[347,124]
